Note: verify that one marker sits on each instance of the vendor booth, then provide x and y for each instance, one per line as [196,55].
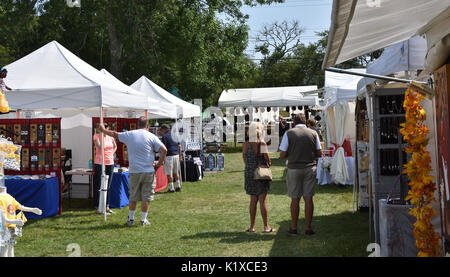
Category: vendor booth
[358,28]
[189,117]
[381,156]
[265,105]
[51,83]
[339,116]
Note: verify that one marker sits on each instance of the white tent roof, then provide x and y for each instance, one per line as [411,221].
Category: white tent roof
[340,86]
[404,56]
[156,92]
[359,27]
[53,78]
[155,109]
[268,97]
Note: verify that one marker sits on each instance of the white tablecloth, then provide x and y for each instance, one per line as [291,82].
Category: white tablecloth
[324,177]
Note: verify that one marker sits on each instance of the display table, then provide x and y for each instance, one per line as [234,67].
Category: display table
[81,172]
[120,186]
[119,190]
[42,194]
[324,177]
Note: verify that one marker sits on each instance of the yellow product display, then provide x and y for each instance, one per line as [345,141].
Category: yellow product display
[10,153]
[9,205]
[4,106]
[8,149]
[22,216]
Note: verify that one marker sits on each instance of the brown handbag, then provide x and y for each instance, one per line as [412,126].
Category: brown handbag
[262,172]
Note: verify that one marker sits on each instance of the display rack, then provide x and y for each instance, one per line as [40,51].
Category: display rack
[41,146]
[389,181]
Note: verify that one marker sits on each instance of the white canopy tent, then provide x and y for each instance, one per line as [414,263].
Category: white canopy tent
[408,55]
[157,93]
[256,101]
[341,86]
[54,79]
[156,110]
[359,27]
[269,97]
[56,83]
[340,96]
[53,82]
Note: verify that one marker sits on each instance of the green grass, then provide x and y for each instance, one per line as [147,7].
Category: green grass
[207,219]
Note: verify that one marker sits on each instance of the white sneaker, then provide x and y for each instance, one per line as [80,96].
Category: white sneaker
[130,222]
[145,222]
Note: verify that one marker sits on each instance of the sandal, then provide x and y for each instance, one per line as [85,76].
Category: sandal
[269,231]
[249,230]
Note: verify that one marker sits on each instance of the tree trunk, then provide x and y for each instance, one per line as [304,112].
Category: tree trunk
[115,45]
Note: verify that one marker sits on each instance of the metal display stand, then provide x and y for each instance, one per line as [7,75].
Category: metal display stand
[389,181]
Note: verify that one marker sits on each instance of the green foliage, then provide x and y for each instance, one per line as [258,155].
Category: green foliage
[178,43]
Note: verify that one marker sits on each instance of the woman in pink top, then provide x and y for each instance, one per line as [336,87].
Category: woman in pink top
[109,148]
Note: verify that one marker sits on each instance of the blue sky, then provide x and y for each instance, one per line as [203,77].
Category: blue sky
[313,15]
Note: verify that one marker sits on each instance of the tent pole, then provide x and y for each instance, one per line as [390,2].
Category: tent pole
[102,183]
[374,76]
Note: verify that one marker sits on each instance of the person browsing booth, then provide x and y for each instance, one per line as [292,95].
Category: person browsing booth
[301,146]
[141,145]
[173,158]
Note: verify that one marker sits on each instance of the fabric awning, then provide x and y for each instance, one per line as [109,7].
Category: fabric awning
[359,27]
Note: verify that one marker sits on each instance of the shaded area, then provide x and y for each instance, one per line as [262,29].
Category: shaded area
[337,235]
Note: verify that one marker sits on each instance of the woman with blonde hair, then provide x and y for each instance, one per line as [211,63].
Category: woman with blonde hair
[254,153]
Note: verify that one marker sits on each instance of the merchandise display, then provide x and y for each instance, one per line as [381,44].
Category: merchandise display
[14,222]
[38,143]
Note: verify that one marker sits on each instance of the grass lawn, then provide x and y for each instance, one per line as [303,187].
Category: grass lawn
[206,219]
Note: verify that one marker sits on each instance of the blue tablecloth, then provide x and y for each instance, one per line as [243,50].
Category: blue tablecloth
[119,190]
[42,194]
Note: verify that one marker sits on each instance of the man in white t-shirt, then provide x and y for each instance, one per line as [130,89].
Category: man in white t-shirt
[141,145]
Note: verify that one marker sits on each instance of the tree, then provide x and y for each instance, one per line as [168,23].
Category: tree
[299,65]
[278,38]
[178,43]
[18,27]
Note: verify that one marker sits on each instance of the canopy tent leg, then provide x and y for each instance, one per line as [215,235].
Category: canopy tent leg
[103,184]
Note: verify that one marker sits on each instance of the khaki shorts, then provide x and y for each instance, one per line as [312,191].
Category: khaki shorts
[301,182]
[142,186]
[171,165]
